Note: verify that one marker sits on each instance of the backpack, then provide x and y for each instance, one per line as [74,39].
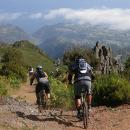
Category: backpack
[41,77]
[82,66]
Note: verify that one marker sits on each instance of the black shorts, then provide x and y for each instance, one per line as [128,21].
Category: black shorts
[41,86]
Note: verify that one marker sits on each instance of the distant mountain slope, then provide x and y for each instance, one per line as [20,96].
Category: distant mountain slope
[10,33]
[32,55]
[54,39]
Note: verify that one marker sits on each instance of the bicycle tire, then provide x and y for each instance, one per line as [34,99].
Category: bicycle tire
[43,100]
[85,114]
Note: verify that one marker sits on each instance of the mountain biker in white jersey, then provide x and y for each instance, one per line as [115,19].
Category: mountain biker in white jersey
[30,71]
[82,72]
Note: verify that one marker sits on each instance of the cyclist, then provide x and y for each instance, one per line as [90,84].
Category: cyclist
[30,71]
[42,84]
[82,72]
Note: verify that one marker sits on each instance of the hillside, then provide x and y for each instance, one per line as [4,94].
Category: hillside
[63,36]
[32,55]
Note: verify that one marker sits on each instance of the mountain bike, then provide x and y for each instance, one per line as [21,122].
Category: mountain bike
[43,100]
[84,107]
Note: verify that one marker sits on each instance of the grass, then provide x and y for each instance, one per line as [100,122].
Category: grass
[34,58]
[32,55]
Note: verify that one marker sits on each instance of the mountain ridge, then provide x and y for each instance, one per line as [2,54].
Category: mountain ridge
[69,35]
[56,39]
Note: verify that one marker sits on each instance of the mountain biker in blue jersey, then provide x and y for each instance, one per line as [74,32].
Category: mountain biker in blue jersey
[82,72]
[42,83]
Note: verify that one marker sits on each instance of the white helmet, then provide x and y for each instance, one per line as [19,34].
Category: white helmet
[39,67]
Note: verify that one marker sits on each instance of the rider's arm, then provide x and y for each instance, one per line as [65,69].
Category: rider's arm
[92,73]
[46,75]
[70,78]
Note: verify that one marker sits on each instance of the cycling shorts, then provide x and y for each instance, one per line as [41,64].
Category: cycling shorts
[41,86]
[82,84]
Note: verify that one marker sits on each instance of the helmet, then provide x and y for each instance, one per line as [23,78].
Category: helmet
[39,67]
[79,59]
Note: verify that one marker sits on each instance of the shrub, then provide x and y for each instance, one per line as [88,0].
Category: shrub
[13,65]
[14,83]
[70,55]
[14,71]
[111,90]
[127,68]
[62,96]
[12,55]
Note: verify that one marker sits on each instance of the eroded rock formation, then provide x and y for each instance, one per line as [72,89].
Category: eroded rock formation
[107,63]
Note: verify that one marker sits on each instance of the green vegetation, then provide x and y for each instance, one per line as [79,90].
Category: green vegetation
[14,83]
[70,55]
[33,56]
[13,65]
[127,68]
[108,90]
[111,90]
[3,86]
[62,95]
[15,60]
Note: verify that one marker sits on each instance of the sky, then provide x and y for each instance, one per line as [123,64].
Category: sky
[33,14]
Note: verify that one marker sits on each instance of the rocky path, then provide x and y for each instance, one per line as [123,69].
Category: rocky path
[19,112]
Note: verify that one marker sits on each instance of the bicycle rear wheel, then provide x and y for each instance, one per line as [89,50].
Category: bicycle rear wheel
[43,99]
[85,114]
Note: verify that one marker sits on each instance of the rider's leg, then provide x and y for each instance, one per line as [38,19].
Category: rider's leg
[38,98]
[48,96]
[78,106]
[77,91]
[89,96]
[47,89]
[37,95]
[77,103]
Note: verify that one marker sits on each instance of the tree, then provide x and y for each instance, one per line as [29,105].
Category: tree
[70,55]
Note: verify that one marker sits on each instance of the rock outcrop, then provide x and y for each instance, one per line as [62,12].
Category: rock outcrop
[107,63]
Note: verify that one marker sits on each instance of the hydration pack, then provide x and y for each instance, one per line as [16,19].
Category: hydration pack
[82,66]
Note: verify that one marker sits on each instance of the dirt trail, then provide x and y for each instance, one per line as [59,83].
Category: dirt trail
[26,92]
[23,115]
